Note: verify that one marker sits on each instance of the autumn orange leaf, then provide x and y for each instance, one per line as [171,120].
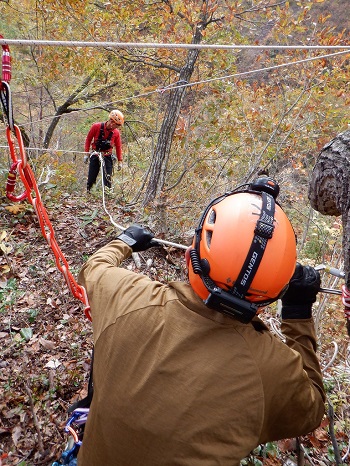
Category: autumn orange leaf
[15,209]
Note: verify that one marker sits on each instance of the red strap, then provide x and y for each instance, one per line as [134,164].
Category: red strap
[6,62]
[346,301]
[32,194]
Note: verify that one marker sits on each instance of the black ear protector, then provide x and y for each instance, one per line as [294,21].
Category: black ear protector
[233,302]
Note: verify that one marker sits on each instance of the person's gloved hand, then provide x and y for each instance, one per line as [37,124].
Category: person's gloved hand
[301,293]
[138,238]
[120,166]
[86,158]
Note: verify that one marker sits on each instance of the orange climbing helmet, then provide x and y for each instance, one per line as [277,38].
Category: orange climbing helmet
[243,253]
[117,117]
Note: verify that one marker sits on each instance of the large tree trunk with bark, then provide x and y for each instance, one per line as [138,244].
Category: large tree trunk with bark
[329,188]
[329,184]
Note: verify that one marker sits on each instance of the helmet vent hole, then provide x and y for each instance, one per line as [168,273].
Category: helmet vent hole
[209,234]
[212,217]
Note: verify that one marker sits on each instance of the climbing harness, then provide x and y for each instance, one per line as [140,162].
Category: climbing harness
[78,420]
[102,143]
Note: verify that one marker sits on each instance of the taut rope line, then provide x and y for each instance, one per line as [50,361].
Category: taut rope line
[154,45]
[204,81]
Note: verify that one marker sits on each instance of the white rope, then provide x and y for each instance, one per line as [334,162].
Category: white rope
[120,227]
[336,349]
[269,68]
[72,43]
[171,87]
[49,150]
[347,453]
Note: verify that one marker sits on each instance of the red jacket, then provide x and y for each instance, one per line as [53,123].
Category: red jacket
[115,141]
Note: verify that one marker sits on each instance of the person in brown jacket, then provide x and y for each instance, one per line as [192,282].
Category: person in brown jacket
[187,374]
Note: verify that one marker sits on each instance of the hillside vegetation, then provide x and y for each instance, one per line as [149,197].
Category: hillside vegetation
[240,112]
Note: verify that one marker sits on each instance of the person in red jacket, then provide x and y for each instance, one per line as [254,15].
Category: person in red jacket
[102,137]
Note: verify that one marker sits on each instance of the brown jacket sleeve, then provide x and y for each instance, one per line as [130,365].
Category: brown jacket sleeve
[101,276]
[294,404]
[300,336]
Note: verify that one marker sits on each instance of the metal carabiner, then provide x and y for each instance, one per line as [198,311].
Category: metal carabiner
[22,152]
[10,185]
[330,291]
[20,163]
[332,270]
[79,416]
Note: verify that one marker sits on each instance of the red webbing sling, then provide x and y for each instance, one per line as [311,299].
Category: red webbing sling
[31,193]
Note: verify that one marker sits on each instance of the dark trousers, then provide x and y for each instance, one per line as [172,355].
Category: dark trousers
[94,168]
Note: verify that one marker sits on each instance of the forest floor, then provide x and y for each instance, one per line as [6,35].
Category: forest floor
[46,340]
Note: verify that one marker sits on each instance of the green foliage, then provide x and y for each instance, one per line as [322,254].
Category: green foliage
[269,450]
[26,333]
[32,314]
[88,218]
[324,237]
[65,176]
[8,295]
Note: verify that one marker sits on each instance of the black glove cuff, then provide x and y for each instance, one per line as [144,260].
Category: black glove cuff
[126,239]
[297,311]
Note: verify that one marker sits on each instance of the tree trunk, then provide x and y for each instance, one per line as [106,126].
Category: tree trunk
[162,151]
[329,188]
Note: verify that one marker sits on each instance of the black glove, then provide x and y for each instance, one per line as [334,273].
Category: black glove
[301,293]
[138,238]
